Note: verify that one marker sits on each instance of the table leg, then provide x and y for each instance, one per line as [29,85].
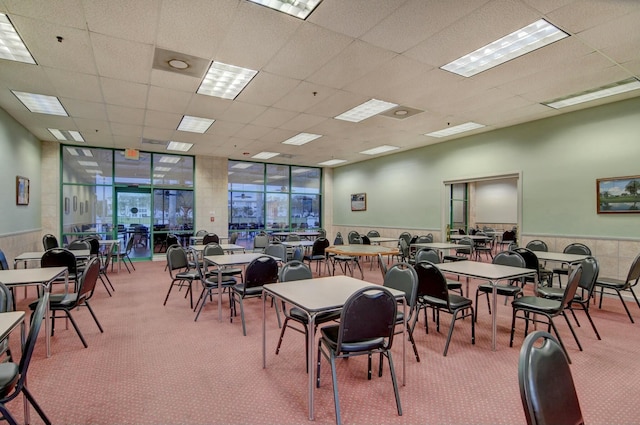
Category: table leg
[23,340]
[494,323]
[312,364]
[264,330]
[404,341]
[219,294]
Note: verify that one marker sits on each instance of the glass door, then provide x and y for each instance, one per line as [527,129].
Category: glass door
[134,220]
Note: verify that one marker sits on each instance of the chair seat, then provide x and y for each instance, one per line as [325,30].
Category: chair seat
[453,284]
[508,290]
[455,302]
[188,275]
[539,304]
[611,283]
[453,258]
[344,258]
[9,375]
[253,291]
[560,271]
[330,334]
[314,257]
[301,316]
[230,271]
[213,281]
[57,301]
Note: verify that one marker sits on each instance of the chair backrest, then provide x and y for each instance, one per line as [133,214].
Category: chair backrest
[212,248]
[260,241]
[130,245]
[6,299]
[298,254]
[383,265]
[461,231]
[354,238]
[94,245]
[590,271]
[373,234]
[537,245]
[49,241]
[277,250]
[322,233]
[338,240]
[177,258]
[403,246]
[427,254]
[3,261]
[88,280]
[210,237]
[79,245]
[468,249]
[403,277]
[546,386]
[368,313]
[425,239]
[201,232]
[295,270]
[572,286]
[530,258]
[319,245]
[171,240]
[406,236]
[431,282]
[365,240]
[233,238]
[577,248]
[508,235]
[34,329]
[261,271]
[58,257]
[293,237]
[634,273]
[509,258]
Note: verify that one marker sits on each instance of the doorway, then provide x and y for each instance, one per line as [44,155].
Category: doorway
[134,220]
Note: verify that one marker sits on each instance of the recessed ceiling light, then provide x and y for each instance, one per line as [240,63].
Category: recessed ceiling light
[366,110]
[41,103]
[519,42]
[179,146]
[400,112]
[332,162]
[195,124]
[301,139]
[225,81]
[87,152]
[265,155]
[91,171]
[11,45]
[169,159]
[178,64]
[468,126]
[380,149]
[165,169]
[73,151]
[598,93]
[66,135]
[242,165]
[298,8]
[88,163]
[300,170]
[158,176]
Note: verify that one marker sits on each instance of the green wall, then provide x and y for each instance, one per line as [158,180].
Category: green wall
[20,156]
[560,159]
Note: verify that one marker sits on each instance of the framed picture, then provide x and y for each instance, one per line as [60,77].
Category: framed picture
[359,202]
[67,205]
[618,195]
[22,190]
[75,203]
[81,208]
[86,206]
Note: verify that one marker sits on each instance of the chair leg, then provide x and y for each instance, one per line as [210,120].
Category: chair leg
[204,301]
[168,292]
[593,325]
[334,378]
[552,325]
[7,415]
[94,316]
[395,382]
[573,332]
[75,326]
[453,323]
[624,304]
[36,406]
[286,320]
[413,343]
[104,284]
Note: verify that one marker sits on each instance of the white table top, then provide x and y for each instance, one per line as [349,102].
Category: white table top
[301,234]
[235,259]
[437,245]
[9,321]
[26,276]
[37,255]
[472,237]
[297,243]
[492,272]
[224,246]
[322,293]
[561,257]
[381,239]
[359,249]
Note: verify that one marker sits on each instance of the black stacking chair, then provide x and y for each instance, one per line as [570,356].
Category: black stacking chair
[209,283]
[13,376]
[367,326]
[49,241]
[61,257]
[6,304]
[318,255]
[546,386]
[403,277]
[178,263]
[505,258]
[573,248]
[618,286]
[432,256]
[209,238]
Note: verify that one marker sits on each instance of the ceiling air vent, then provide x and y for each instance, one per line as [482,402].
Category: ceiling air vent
[401,112]
[153,142]
[180,63]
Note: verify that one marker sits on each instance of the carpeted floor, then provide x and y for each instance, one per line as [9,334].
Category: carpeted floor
[155,365]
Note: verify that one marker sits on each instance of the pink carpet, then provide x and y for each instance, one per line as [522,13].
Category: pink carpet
[155,365]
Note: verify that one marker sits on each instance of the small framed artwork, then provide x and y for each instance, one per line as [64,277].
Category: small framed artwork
[81,208]
[22,190]
[75,203]
[86,207]
[618,195]
[67,205]
[359,202]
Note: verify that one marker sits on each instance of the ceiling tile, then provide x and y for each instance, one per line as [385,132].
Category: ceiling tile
[124,19]
[124,115]
[353,17]
[122,59]
[266,89]
[168,100]
[117,92]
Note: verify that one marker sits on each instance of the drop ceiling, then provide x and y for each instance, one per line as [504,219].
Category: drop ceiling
[343,54]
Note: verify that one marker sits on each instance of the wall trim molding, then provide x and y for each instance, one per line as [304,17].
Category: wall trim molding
[21,232]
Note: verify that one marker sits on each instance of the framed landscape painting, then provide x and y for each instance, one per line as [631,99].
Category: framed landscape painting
[618,195]
[22,190]
[359,202]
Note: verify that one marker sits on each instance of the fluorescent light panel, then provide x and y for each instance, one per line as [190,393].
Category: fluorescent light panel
[301,139]
[468,126]
[165,169]
[66,135]
[225,81]
[11,45]
[518,43]
[88,163]
[298,8]
[179,146]
[598,93]
[158,176]
[169,159]
[380,149]
[332,162]
[90,171]
[195,124]
[242,165]
[265,155]
[40,103]
[366,110]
